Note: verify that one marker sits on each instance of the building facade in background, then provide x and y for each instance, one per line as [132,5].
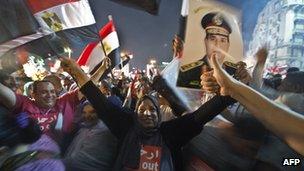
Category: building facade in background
[280,26]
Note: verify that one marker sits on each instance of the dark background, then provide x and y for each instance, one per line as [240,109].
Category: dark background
[144,35]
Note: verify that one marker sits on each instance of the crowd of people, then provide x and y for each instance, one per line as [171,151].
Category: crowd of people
[76,121]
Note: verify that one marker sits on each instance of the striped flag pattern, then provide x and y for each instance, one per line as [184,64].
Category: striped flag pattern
[57,15]
[93,53]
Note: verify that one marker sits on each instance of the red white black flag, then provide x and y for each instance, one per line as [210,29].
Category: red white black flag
[94,53]
[57,15]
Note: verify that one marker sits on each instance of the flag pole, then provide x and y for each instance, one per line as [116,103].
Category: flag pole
[182,24]
[103,48]
[100,38]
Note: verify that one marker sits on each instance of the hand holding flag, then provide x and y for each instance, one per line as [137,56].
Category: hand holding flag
[68,64]
[94,52]
[177,46]
[71,67]
[106,63]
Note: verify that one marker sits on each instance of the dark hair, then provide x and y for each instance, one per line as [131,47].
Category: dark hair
[36,83]
[53,79]
[292,69]
[293,82]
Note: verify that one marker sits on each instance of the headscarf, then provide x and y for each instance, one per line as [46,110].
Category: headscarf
[139,135]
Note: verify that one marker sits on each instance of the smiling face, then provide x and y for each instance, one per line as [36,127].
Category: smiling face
[213,42]
[44,94]
[147,114]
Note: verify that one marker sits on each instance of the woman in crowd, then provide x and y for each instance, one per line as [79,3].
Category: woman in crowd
[144,142]
[93,148]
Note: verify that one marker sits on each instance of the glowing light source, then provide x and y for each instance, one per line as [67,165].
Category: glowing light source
[68,50]
[34,68]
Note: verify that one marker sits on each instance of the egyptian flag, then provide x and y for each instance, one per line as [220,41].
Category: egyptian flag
[73,17]
[57,15]
[91,56]
[124,62]
[17,25]
[94,53]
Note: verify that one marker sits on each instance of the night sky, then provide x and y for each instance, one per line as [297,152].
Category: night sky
[144,35]
[148,36]
[141,33]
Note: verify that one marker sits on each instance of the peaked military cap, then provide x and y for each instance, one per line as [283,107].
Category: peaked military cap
[215,23]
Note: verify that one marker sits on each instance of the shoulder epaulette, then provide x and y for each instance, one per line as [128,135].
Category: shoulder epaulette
[192,65]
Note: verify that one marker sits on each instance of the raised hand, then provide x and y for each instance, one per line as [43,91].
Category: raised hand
[71,67]
[209,83]
[177,46]
[106,63]
[129,93]
[261,55]
[242,73]
[257,74]
[224,80]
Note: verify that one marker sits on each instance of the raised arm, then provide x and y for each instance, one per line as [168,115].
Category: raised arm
[257,73]
[160,85]
[128,99]
[285,123]
[7,97]
[117,119]
[191,124]
[106,63]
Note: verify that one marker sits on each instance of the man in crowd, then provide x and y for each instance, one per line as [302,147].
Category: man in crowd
[54,115]
[50,113]
[56,81]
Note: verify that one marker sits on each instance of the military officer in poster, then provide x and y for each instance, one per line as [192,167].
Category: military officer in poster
[217,37]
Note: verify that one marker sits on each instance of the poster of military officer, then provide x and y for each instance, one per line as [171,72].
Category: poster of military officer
[212,29]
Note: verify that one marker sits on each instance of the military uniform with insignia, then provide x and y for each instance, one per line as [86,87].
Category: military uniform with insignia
[189,74]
